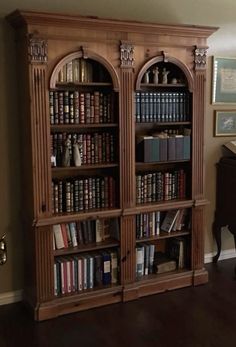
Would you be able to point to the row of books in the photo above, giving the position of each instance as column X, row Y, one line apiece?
column 150, row 224
column 163, row 147
column 81, row 272
column 66, row 235
column 149, row 260
column 79, row 194
column 158, row 186
column 162, row 107
column 144, row 259
column 176, row 220
column 77, row 70
column 83, row 70
column 73, row 107
column 147, row 224
column 94, row 148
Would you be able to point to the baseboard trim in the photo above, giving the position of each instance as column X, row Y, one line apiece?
column 11, row 297
column 227, row 254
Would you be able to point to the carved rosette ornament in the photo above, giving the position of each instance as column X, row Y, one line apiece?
column 126, row 55
column 37, row 50
column 200, row 58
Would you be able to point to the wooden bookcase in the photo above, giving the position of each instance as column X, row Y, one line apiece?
column 92, row 82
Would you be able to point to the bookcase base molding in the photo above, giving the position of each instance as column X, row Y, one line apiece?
column 112, row 121
column 80, row 302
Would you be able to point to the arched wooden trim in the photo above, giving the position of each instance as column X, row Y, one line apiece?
column 86, row 54
column 170, row 59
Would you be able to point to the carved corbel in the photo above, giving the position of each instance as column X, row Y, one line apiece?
column 200, row 58
column 126, row 54
column 37, row 49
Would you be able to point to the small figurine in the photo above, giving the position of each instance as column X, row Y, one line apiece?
column 174, row 81
column 146, row 77
column 155, row 72
column 53, row 160
column 66, row 152
column 76, row 153
column 164, row 76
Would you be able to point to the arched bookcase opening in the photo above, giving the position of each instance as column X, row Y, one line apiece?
column 84, row 68
column 165, row 72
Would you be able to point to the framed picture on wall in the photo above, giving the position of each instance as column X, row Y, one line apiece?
column 224, row 81
column 225, row 123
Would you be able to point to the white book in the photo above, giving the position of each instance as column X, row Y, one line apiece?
column 140, row 261
column 91, row 271
column 59, row 242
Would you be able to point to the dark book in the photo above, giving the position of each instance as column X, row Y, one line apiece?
column 82, row 108
column 162, row 263
column 171, row 148
column 61, row 108
column 163, row 148
column 66, row 107
column 187, row 149
column 76, row 107
column 106, row 268
column 148, row 149
column 56, row 107
column 179, row 147
column 137, row 112
column 176, row 250
column 114, row 228
column 51, row 107
column 98, row 269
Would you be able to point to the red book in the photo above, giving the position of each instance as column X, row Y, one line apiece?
column 64, row 235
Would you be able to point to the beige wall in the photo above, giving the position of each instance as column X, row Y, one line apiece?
column 222, row 43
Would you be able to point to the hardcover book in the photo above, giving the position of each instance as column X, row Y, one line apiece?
column 169, row 220
column 162, row 263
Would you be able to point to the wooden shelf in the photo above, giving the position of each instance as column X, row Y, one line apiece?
column 140, row 165
column 160, row 124
column 77, row 169
column 68, row 85
column 161, row 85
column 163, row 235
column 109, row 243
column 159, row 206
column 76, row 216
column 76, row 127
